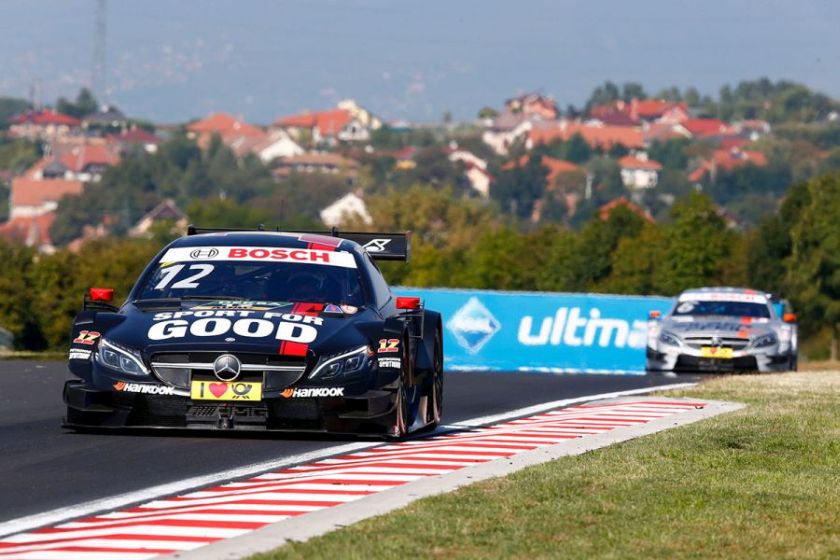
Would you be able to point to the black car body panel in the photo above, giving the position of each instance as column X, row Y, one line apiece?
column 347, row 361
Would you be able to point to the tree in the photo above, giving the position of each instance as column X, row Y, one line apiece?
column 813, row 268
column 576, row 149
column 516, row 190
column 602, row 95
column 9, row 107
column 85, row 104
column 631, row 90
column 16, row 296
column 670, row 153
column 697, row 246
column 18, row 155
column 635, row 263
column 487, row 113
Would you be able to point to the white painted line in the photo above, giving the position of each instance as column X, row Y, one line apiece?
column 302, row 528
column 93, row 507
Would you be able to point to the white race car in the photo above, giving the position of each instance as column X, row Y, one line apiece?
column 722, row 329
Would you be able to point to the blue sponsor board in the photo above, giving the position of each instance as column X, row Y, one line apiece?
column 552, row 332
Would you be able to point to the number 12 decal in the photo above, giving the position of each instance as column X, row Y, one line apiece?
column 169, row 274
column 86, row 337
column 389, row 345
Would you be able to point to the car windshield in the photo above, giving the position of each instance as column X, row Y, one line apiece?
column 723, row 308
column 255, row 280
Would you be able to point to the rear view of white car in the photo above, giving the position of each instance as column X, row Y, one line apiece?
column 722, row 329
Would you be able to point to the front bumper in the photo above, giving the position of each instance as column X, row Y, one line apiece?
column 369, row 412
column 688, row 360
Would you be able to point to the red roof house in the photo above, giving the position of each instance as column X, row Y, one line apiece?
column 727, row 160
column 555, row 167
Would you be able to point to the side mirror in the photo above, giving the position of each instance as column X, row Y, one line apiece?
column 654, row 315
column 408, row 303
column 789, row 317
column 101, row 294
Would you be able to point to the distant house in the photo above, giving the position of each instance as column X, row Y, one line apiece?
column 78, row 158
column 135, row 137
column 639, row 172
column 603, row 137
column 752, row 130
column 317, row 162
column 165, row 211
column 640, row 111
column 555, row 167
column 533, row 104
column 236, row 134
column 726, row 160
column 365, row 117
column 705, row 128
column 32, row 206
column 33, row 196
column 506, row 129
column 32, row 231
column 63, row 172
column 606, row 210
column 480, row 179
column 475, row 169
column 278, row 144
column 662, row 132
column 107, row 117
column 325, row 126
column 658, row 110
column 348, row 207
column 45, row 124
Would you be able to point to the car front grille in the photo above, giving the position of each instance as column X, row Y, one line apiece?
column 275, row 372
column 736, row 343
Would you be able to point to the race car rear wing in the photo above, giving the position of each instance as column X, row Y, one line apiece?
column 380, row 246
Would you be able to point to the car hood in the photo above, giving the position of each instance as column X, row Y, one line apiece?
column 718, row 326
column 255, row 329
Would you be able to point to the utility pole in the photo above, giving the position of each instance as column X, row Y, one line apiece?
column 98, row 77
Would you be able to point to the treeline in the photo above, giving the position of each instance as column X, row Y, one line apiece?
column 794, row 253
column 460, row 242
column 776, row 102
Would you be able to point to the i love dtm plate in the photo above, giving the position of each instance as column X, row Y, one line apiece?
column 225, row 391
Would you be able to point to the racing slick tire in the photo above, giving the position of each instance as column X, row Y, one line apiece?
column 402, row 411
column 435, row 409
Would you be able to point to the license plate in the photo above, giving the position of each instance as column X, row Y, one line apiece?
column 716, row 352
column 225, row 391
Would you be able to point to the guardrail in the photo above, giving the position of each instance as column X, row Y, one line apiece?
column 551, row 332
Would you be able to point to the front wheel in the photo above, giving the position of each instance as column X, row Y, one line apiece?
column 401, row 412
column 435, row 410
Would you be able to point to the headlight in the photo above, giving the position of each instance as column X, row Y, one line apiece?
column 120, row 359
column 669, row 339
column 342, row 364
column 764, row 341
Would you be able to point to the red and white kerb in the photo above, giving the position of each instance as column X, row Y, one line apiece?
column 209, row 515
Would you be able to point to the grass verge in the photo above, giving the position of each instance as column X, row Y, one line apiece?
column 763, row 482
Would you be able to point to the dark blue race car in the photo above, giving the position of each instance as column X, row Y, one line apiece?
column 256, row 330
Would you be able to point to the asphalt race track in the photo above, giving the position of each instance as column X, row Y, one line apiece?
column 43, row 466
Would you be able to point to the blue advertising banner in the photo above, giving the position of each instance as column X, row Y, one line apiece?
column 552, row 332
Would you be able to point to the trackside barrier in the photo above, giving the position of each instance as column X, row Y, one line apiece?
column 552, row 332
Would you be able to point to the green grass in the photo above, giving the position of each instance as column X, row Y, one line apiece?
column 763, row 482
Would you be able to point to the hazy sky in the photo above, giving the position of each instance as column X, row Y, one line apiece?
column 171, row 60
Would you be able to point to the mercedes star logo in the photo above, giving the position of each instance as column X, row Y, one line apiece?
column 227, row 367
